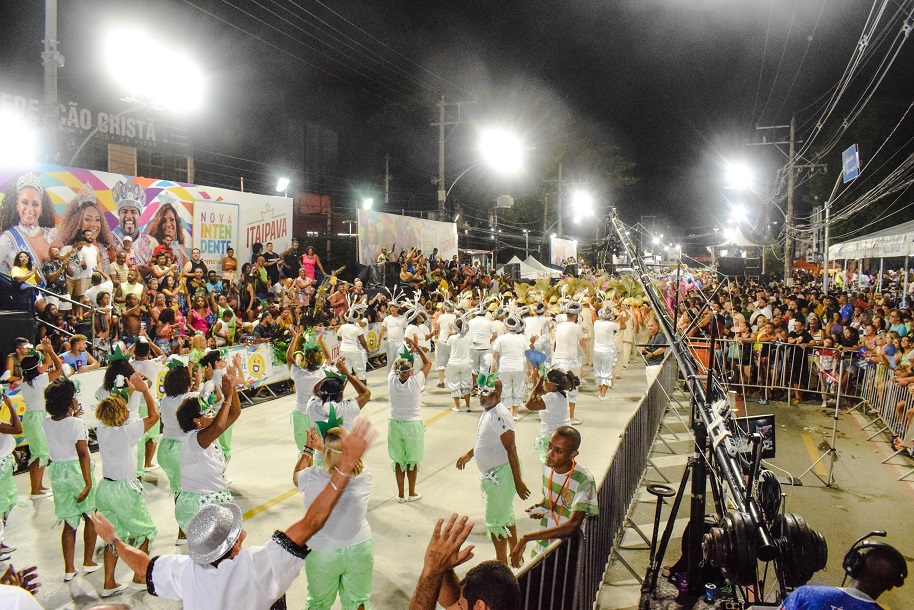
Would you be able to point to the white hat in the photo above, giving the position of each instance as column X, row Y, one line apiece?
column 572, row 308
column 213, row 531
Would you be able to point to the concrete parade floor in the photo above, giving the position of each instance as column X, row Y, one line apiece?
column 867, row 497
column 263, row 456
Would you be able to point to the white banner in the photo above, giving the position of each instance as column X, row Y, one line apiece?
column 378, row 230
column 215, row 230
column 561, row 250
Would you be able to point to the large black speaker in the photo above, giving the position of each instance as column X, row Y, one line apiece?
column 14, row 324
column 391, row 274
column 731, row 265
column 375, row 275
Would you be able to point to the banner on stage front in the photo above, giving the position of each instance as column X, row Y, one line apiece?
column 560, row 250
column 378, row 230
column 215, row 230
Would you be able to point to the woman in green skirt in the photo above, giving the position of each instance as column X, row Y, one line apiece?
column 177, row 387
column 306, row 371
column 119, row 496
column 148, row 361
column 8, row 495
column 71, row 473
column 36, row 375
column 202, row 461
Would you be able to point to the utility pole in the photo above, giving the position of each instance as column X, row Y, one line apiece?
column 387, row 179
column 442, row 122
column 52, row 60
column 560, row 210
column 442, row 188
column 788, row 217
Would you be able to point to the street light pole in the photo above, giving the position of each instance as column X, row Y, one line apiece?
column 526, row 243
column 560, row 201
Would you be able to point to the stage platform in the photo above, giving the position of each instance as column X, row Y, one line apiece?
column 263, row 457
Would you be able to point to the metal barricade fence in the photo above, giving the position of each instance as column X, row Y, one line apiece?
column 887, row 400
column 772, row 370
column 569, row 573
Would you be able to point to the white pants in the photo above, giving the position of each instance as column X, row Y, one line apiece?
column 603, row 363
column 355, row 360
column 393, row 352
column 459, row 379
column 652, row 371
column 512, row 387
column 442, row 353
column 479, row 359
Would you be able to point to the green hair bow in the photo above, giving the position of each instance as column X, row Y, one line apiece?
column 486, row 381
column 334, row 375
column 173, row 363
column 407, row 355
column 333, row 421
column 117, row 354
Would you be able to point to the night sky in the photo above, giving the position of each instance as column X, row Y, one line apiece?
column 677, row 85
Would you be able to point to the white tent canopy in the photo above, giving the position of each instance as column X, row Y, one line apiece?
column 894, row 241
column 541, row 267
column 528, row 271
column 739, row 239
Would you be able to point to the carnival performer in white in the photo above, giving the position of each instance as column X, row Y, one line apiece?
column 306, row 367
column 604, row 348
column 509, row 353
column 459, row 368
column 351, row 335
column 394, row 327
column 550, row 398
column 444, row 326
column 569, row 339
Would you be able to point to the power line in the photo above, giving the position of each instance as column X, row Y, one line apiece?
column 803, row 59
column 761, row 72
column 781, row 62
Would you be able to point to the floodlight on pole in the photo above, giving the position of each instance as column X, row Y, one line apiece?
column 656, row 241
column 367, row 203
column 20, row 142
column 581, row 205
column 739, row 177
column 738, row 214
column 133, row 55
column 282, row 186
column 501, row 150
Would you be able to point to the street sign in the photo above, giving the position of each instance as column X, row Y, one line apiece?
column 850, row 160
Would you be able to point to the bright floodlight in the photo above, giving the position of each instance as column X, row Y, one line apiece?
column 730, row 235
column 282, row 184
column 20, row 142
column 367, row 203
column 581, row 205
column 738, row 214
column 501, row 150
column 656, row 241
column 553, row 235
column 739, row 177
column 154, row 71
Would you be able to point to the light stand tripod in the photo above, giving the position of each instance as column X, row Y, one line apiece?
column 831, row 453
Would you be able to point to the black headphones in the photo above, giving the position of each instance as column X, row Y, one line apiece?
column 854, row 558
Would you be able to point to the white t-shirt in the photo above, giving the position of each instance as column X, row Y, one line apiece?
column 33, row 393
column 511, row 348
column 254, row 579
column 305, row 381
column 604, row 335
column 414, row 332
column 405, row 398
column 149, row 369
column 349, row 334
column 62, row 438
column 460, row 350
column 133, row 401
column 445, row 325
column 93, row 291
column 498, row 327
column 488, row 449
column 348, row 523
column 534, row 325
column 202, row 470
column 317, row 410
column 117, row 448
column 555, row 414
column 394, row 328
column 568, row 337
column 480, row 332
column 91, row 255
column 425, row 331
column 168, row 410
column 17, row 598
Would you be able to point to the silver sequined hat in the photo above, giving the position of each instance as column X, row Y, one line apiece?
column 213, row 531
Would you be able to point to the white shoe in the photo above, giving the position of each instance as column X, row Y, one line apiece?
column 136, row 586
column 414, row 498
column 114, row 591
column 401, row 500
column 68, row 576
column 89, row 569
column 576, row 422
column 151, row 468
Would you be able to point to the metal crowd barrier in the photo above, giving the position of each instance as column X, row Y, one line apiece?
column 570, row 572
column 887, row 401
column 777, row 371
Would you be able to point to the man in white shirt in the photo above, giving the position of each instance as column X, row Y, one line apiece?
column 444, row 326
column 353, row 346
column 217, row 572
column 509, row 351
column 569, row 338
column 480, row 331
column 604, row 348
column 536, row 329
column 405, row 430
column 496, row 458
column 394, row 326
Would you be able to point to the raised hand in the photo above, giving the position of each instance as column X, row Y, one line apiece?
column 443, row 552
column 357, row 441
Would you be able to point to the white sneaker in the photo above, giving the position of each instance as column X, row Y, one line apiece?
column 576, row 422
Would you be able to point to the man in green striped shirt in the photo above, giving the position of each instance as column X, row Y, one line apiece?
column 569, row 495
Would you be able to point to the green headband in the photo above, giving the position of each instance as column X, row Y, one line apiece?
column 334, row 375
column 333, row 421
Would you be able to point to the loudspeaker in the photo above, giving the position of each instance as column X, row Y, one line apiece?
column 375, row 275
column 391, row 274
column 15, row 324
column 731, row 265
column 512, row 270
